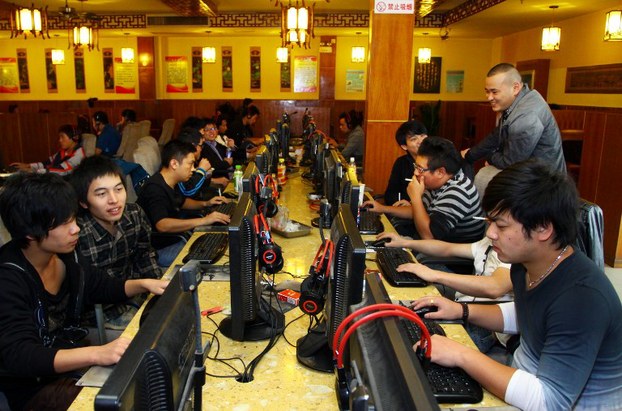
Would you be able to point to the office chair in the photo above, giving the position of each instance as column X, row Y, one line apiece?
column 88, row 143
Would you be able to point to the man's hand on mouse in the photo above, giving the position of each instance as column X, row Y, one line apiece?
column 447, row 309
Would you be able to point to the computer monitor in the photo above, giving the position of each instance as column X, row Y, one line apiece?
column 345, row 288
column 251, row 174
column 284, row 141
column 252, row 318
column 333, row 173
column 351, row 192
column 384, row 363
column 263, row 160
column 154, row 370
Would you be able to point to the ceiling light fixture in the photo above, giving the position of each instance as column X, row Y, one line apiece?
column 296, row 25
column 424, row 54
column 282, row 54
column 208, row 54
column 613, row 26
column 127, row 53
column 358, row 54
column 551, row 36
column 58, row 55
column 33, row 20
column 84, row 35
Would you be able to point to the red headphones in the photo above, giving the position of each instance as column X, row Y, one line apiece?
column 270, row 255
column 313, row 288
column 267, row 195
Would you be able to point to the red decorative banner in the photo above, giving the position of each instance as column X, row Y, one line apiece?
column 176, row 74
column 227, row 69
column 9, row 79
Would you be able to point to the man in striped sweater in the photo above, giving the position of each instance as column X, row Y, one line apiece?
column 444, row 204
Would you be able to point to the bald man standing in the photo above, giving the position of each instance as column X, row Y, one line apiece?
column 525, row 127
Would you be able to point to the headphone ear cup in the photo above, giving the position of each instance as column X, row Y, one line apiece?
column 311, row 300
column 270, row 258
column 271, row 208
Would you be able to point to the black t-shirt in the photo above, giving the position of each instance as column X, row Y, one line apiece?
column 403, row 167
column 159, row 200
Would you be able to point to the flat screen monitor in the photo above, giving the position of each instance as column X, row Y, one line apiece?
column 333, row 173
column 351, row 192
column 252, row 318
column 154, row 370
column 345, row 287
column 251, row 173
column 263, row 160
column 284, row 141
column 382, row 360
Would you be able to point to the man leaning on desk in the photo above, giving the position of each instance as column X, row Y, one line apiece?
column 566, row 310
column 168, row 210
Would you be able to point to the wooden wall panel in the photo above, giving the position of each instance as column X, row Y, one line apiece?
column 380, row 154
column 34, row 133
column 591, row 154
column 609, row 187
column 11, row 143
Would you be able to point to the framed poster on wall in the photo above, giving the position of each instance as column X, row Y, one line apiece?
column 428, row 76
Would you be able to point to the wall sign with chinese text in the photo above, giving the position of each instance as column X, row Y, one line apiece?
column 78, row 65
column 394, row 6
column 197, row 69
column 50, row 72
column 176, row 74
column 9, row 79
column 22, row 69
column 305, row 74
column 255, row 69
column 227, row 69
column 427, row 76
column 108, row 61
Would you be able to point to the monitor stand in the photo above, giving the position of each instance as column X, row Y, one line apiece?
column 268, row 323
column 316, row 223
column 313, row 351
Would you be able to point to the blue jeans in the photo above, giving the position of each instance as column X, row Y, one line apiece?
column 167, row 255
column 138, row 174
column 484, row 339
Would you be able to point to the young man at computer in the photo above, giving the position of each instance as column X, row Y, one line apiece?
column 491, row 281
column 44, row 284
column 409, row 137
column 115, row 236
column 566, row 310
column 444, row 203
column 168, row 210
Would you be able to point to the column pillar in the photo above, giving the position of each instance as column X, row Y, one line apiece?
column 388, row 92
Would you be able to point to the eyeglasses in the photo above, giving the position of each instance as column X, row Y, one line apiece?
column 421, row 169
column 211, row 128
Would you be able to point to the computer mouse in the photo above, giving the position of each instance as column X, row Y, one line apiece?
column 380, row 243
column 421, row 312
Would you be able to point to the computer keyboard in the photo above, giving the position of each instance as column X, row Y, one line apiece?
column 369, row 222
column 208, row 248
column 225, row 208
column 449, row 385
column 388, row 259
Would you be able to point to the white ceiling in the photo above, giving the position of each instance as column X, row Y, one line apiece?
column 507, row 17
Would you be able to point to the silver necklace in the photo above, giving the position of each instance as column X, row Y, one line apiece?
column 548, row 271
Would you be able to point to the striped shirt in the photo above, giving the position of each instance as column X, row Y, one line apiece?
column 451, row 209
column 62, row 163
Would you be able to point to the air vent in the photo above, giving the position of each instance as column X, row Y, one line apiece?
column 177, row 21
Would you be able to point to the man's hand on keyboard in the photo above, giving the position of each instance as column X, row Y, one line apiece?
column 215, row 217
column 423, row 272
column 373, row 205
column 447, row 352
column 393, row 239
column 217, row 200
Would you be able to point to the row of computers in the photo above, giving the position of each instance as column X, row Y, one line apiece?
column 381, row 372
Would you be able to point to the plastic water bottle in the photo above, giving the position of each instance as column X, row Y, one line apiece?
column 281, row 172
column 237, row 179
column 352, row 165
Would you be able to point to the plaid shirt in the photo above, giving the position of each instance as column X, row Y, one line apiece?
column 129, row 255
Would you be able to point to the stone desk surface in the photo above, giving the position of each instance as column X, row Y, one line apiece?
column 279, row 380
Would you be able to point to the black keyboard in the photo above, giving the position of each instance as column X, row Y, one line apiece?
column 388, row 259
column 208, row 248
column 225, row 208
column 449, row 385
column 369, row 222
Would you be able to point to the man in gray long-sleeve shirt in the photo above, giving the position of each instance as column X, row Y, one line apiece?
column 525, row 127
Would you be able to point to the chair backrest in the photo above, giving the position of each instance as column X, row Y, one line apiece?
column 590, row 227
column 129, row 140
column 88, row 143
column 167, row 131
column 147, row 154
column 145, row 128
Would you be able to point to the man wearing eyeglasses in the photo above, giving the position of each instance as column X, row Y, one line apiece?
column 444, row 203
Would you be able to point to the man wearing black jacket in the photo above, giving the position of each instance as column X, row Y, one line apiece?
column 43, row 287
